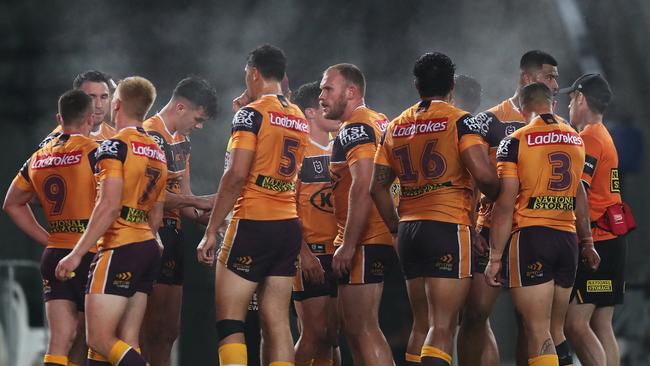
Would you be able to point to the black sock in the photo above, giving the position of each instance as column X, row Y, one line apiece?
column 564, row 354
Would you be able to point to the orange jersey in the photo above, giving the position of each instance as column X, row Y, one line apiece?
column 423, row 147
column 136, row 158
column 547, row 157
column 61, row 174
column 315, row 208
column 357, row 139
column 104, row 132
column 177, row 152
column 600, row 174
column 278, row 133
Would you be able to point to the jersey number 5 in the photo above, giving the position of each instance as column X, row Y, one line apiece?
column 432, row 163
column 561, row 174
column 288, row 165
column 54, row 190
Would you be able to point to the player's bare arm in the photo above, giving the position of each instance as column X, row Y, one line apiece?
column 230, row 187
column 357, row 219
column 477, row 162
column 310, row 265
column 104, row 214
column 16, row 205
column 382, row 178
column 479, row 244
column 583, row 228
column 504, row 206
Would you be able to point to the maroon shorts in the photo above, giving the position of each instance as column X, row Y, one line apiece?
column 125, row 270
column 255, row 249
column 172, row 260
column 538, row 254
column 72, row 289
column 429, row 248
column 370, row 264
column 303, row 290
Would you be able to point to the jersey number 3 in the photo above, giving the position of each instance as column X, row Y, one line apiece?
column 561, row 174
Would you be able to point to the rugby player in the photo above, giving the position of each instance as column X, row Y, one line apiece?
column 260, row 247
column 98, row 86
column 193, row 102
column 315, row 285
column 476, row 342
column 132, row 171
column 539, row 167
column 466, row 96
column 364, row 245
column 65, row 162
column 432, row 147
column 589, row 318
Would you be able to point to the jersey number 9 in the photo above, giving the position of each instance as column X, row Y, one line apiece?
column 54, row 190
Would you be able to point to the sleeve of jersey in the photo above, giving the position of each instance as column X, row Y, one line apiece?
column 381, row 156
column 358, row 141
column 162, row 196
column 593, row 152
column 22, row 179
column 471, row 131
column 245, row 126
column 508, row 157
column 111, row 156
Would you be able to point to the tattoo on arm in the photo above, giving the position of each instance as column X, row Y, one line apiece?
column 384, row 175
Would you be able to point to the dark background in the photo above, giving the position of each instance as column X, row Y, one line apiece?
column 44, row 44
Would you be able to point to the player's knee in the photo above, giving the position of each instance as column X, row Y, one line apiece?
column 228, row 327
column 475, row 316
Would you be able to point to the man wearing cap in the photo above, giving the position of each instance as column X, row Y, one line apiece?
column 589, row 319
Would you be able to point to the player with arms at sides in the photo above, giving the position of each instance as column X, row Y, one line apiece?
column 476, row 342
column 61, row 176
column 132, row 171
column 539, row 167
column 364, row 245
column 432, row 147
column 193, row 102
column 98, row 86
column 466, row 96
column 315, row 285
column 261, row 246
column 589, row 318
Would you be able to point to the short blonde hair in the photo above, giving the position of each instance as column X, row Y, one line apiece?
column 137, row 95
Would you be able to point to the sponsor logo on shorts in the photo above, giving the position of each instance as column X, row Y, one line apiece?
column 420, row 127
column 559, row 203
column 275, row 184
column 56, row 160
column 615, row 183
column 418, row 191
column 168, row 268
column 149, row 151
column 555, row 137
column 67, row 226
column 535, row 270
column 289, row 122
column 445, row 263
column 252, row 305
column 377, row 268
column 317, row 248
column 599, row 286
column 47, row 288
column 122, row 280
column 243, row 263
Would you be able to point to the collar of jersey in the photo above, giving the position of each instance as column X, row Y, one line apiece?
column 513, row 105
column 173, row 135
column 99, row 130
column 321, row 146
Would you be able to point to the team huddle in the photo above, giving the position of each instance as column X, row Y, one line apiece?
column 321, row 196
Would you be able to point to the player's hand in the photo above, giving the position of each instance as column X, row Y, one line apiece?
column 205, row 250
column 65, row 269
column 240, row 101
column 590, row 256
column 485, row 200
column 311, row 267
column 479, row 244
column 493, row 273
column 342, row 261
